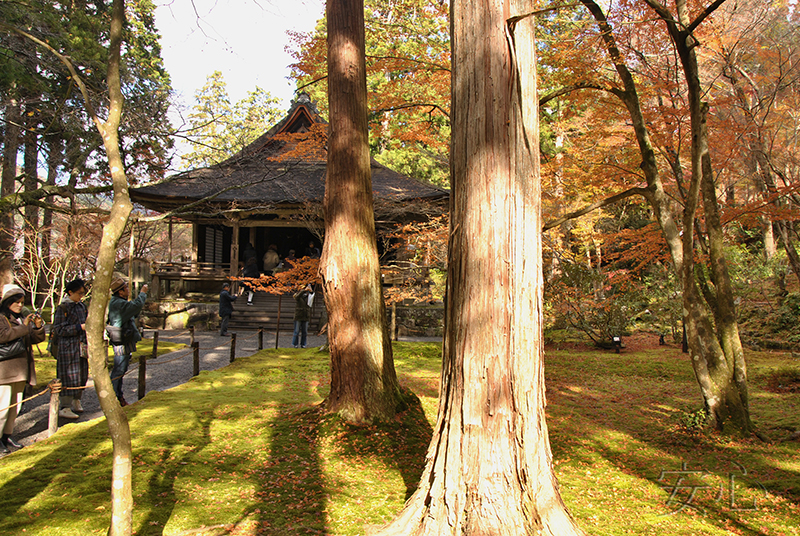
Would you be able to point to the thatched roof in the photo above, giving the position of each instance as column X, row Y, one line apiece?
column 282, row 170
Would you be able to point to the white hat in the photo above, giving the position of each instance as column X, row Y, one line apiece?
column 10, row 290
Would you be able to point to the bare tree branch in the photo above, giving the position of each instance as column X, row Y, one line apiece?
column 594, row 206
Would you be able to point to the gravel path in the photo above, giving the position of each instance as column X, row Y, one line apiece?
column 31, row 425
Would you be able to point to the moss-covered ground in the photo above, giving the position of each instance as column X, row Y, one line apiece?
column 244, row 450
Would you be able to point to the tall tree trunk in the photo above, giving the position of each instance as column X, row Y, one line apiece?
column 709, row 319
column 364, row 384
column 121, row 493
column 10, row 148
column 489, row 465
column 31, row 182
column 728, row 402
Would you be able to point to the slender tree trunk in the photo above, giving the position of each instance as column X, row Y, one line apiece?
column 364, row 384
column 728, row 403
column 489, row 468
column 121, row 493
column 769, row 238
column 709, row 320
column 10, row 148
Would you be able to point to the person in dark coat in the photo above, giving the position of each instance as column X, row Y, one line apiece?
column 72, row 364
column 312, row 250
column 250, row 252
column 303, row 301
column 18, row 370
column 225, row 308
column 288, row 262
column 250, row 270
column 121, row 315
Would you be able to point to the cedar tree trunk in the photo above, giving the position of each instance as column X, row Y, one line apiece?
column 489, row 468
column 364, row 385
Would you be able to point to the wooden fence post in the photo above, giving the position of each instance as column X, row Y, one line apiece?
column 196, row 359
column 52, row 420
column 233, row 346
column 191, row 330
column 142, row 376
column 260, row 338
column 155, row 345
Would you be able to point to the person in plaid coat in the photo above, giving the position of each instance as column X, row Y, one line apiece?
column 72, row 366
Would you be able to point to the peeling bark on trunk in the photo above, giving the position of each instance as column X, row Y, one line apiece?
column 364, row 384
column 489, row 467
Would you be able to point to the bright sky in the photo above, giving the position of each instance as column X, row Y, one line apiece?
column 244, row 39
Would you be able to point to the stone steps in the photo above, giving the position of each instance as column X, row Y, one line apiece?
column 264, row 312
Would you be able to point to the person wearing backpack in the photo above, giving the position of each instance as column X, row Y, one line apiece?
column 68, row 337
column 122, row 330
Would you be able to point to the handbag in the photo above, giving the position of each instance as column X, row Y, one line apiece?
column 13, row 349
column 119, row 336
column 52, row 344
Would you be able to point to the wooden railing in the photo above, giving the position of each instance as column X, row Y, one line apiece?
column 182, row 272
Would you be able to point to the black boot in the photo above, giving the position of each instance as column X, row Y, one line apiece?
column 8, row 442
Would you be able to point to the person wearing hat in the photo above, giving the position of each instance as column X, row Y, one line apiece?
column 121, row 315
column 72, row 363
column 18, row 368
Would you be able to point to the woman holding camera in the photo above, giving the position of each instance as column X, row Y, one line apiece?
column 18, row 333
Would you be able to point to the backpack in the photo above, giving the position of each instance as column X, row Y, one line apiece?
column 52, row 344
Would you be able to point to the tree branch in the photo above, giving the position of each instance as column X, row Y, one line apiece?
column 704, row 15
column 413, row 105
column 594, row 206
column 412, row 60
column 20, row 199
column 575, row 87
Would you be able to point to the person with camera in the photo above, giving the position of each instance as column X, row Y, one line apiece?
column 122, row 331
column 72, row 357
column 19, row 331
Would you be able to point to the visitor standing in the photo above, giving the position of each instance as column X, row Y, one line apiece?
column 225, row 308
column 271, row 259
column 18, row 333
column 122, row 330
column 303, row 301
column 72, row 362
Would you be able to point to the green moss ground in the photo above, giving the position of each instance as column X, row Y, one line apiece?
column 244, row 450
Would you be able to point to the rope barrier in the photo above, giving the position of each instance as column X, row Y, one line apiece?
column 176, row 335
column 55, row 385
column 50, row 388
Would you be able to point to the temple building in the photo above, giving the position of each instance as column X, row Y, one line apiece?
column 269, row 193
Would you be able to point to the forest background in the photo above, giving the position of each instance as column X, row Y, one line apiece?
column 608, row 269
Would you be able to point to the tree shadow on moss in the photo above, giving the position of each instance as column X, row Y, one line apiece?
column 400, row 445
column 630, row 415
